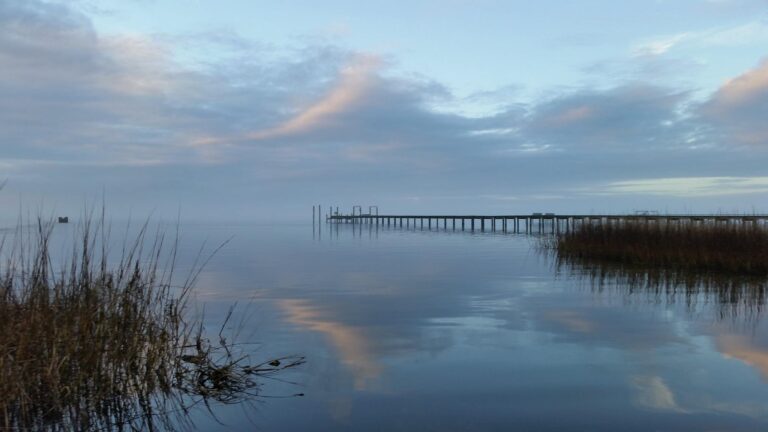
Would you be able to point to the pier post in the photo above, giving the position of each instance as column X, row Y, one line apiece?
column 482, row 224
column 473, row 224
column 429, row 223
column 462, row 224
column 454, row 224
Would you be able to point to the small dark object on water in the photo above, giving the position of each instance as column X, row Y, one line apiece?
column 63, row 219
column 274, row 363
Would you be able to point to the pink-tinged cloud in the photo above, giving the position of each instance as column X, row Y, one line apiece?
column 738, row 108
column 573, row 115
column 138, row 66
column 353, row 83
column 611, row 118
column 743, row 90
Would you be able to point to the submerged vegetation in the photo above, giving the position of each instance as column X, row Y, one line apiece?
column 733, row 248
column 89, row 344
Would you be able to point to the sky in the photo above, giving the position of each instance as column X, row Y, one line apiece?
column 250, row 110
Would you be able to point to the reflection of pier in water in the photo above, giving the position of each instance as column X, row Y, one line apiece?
column 534, row 222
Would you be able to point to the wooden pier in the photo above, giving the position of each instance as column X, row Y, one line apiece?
column 535, row 222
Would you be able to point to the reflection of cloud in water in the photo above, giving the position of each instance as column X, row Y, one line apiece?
column 750, row 409
column 742, row 348
column 589, row 324
column 340, row 408
column 572, row 320
column 653, row 393
column 351, row 343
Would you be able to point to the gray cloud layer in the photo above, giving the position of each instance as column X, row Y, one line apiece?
column 259, row 131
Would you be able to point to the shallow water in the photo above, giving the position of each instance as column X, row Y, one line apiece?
column 441, row 330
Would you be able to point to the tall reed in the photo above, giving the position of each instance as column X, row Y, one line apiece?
column 86, row 344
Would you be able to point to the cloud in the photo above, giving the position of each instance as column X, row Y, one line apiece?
column 632, row 116
column 744, row 90
column 737, row 109
column 750, row 33
column 77, row 104
column 354, row 81
column 688, row 186
column 70, row 94
column 661, row 45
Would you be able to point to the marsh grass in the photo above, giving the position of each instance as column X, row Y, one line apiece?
column 733, row 249
column 86, row 344
column 723, row 265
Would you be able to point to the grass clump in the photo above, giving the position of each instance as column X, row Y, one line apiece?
column 734, row 248
column 89, row 344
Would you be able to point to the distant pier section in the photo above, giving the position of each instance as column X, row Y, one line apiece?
column 533, row 222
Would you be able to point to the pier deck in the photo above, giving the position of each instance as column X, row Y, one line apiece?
column 531, row 222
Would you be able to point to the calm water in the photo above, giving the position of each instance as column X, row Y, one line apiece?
column 420, row 330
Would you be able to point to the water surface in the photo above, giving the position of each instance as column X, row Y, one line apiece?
column 441, row 330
